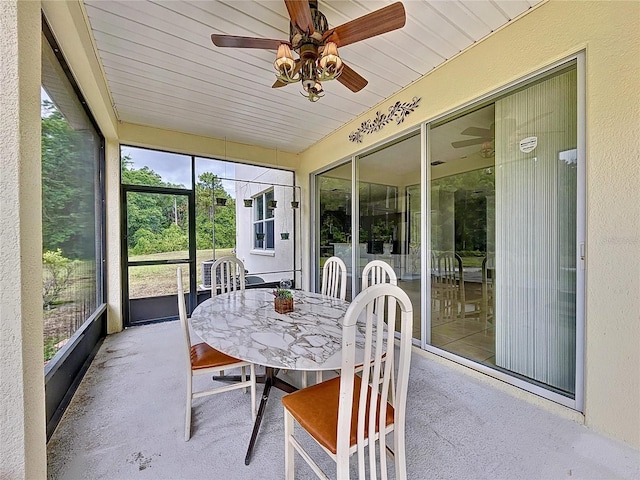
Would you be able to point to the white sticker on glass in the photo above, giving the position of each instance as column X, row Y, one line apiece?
column 528, row 144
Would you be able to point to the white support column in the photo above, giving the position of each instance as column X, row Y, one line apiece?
column 114, row 277
column 22, row 406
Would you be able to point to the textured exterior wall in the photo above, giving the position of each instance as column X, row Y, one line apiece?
column 114, row 257
column 609, row 32
column 22, row 413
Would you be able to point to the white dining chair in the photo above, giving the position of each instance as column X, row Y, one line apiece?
column 450, row 286
column 202, row 359
column 378, row 271
column 334, row 278
column 227, row 275
column 374, row 273
column 334, row 284
column 351, row 413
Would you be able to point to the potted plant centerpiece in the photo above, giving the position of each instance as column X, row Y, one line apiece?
column 283, row 301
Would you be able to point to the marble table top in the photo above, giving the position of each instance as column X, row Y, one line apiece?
column 245, row 325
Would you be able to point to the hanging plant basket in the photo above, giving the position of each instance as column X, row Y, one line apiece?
column 272, row 203
column 221, row 202
column 295, row 204
column 248, row 202
column 284, row 235
column 259, row 236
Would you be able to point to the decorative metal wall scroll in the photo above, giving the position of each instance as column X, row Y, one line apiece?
column 397, row 112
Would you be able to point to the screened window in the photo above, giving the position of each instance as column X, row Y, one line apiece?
column 71, row 208
column 264, row 221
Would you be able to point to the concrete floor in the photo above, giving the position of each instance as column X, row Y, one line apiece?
column 126, row 421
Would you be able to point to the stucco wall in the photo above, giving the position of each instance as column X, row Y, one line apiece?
column 22, row 413
column 609, row 33
column 281, row 258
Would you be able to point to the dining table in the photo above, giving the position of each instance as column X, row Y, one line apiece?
column 245, row 325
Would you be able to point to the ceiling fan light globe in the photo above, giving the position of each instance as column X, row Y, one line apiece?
column 284, row 52
column 284, row 63
column 330, row 62
column 284, row 66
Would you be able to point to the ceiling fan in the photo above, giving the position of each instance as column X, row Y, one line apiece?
column 317, row 45
column 485, row 136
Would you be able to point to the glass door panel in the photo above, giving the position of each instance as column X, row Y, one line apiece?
column 503, row 195
column 157, row 242
column 335, row 237
column 389, row 216
column 462, row 192
column 157, row 226
column 536, row 225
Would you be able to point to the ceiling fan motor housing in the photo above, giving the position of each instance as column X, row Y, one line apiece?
column 298, row 38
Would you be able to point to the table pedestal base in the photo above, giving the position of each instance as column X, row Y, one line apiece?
column 269, row 379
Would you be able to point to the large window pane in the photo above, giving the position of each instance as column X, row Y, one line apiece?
column 71, row 209
column 251, row 223
column 536, row 232
column 153, row 168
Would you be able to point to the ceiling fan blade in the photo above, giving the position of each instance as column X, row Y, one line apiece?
column 352, row 80
column 246, row 42
column 468, row 143
column 300, row 14
column 478, row 132
column 375, row 23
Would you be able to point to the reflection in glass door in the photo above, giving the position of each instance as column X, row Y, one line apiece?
column 389, row 216
column 334, row 219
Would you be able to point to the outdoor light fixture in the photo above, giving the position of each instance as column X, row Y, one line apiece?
column 316, row 45
column 311, row 69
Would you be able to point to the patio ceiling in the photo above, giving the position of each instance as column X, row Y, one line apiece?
column 163, row 71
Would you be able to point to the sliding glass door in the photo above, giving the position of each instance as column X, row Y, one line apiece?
column 503, row 195
column 502, row 275
column 389, row 216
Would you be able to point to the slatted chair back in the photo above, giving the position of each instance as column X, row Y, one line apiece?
column 377, row 271
column 451, row 284
column 227, row 275
column 334, row 278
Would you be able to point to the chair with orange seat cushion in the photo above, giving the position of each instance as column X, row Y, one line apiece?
column 205, row 360
column 343, row 415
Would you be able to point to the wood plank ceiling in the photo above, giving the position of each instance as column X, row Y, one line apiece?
column 162, row 69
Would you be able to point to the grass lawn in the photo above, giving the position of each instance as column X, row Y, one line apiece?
column 154, row 280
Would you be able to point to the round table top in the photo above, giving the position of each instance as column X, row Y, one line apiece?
column 245, row 325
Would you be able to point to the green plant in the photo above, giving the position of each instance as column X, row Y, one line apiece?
column 50, row 347
column 382, row 230
column 57, row 271
column 282, row 293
